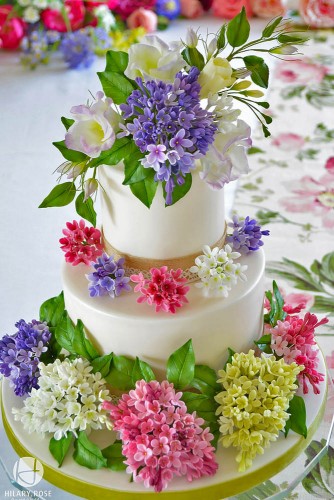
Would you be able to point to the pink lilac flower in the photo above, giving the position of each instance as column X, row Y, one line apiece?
column 81, row 243
column 288, row 141
column 301, row 72
column 165, row 289
column 20, row 354
column 160, row 439
column 315, row 196
column 294, row 339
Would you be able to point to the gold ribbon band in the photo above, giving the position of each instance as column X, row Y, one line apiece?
column 144, row 264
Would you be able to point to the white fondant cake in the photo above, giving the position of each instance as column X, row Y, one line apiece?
column 159, row 232
column 127, row 328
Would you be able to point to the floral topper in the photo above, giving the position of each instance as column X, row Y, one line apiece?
column 167, row 110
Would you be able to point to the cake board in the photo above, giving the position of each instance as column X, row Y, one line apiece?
column 107, row 484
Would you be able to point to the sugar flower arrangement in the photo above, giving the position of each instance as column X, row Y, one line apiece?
column 167, row 110
column 169, row 428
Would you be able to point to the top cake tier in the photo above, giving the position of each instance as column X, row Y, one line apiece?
column 160, row 232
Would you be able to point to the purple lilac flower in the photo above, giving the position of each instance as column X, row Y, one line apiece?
column 108, row 278
column 246, row 236
column 102, row 40
column 77, row 49
column 167, row 122
column 168, row 8
column 20, row 354
column 35, row 49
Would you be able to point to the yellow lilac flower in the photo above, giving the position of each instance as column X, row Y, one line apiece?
column 254, row 402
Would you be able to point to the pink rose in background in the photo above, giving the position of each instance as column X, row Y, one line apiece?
column 288, row 141
column 318, row 13
column 268, row 8
column 230, row 8
column 330, row 165
column 191, row 8
column 143, row 17
column 300, row 72
column 53, row 19
column 12, row 29
column 311, row 195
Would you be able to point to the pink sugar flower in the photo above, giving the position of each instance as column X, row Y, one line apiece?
column 179, row 448
column 81, row 243
column 293, row 302
column 165, row 289
column 312, row 195
column 330, row 165
column 301, row 72
column 288, row 141
column 294, row 339
column 143, row 17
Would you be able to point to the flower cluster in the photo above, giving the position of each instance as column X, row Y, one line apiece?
column 166, row 289
column 217, row 270
column 77, row 49
column 108, row 278
column 254, row 402
column 81, row 243
column 169, row 125
column 293, row 340
column 69, row 399
column 160, row 439
column 246, row 236
column 20, row 354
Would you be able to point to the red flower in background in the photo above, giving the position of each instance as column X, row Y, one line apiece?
column 12, row 29
column 126, row 7
column 54, row 20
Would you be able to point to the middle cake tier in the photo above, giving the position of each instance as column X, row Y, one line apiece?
column 124, row 327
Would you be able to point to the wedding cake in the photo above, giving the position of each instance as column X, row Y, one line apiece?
column 146, row 360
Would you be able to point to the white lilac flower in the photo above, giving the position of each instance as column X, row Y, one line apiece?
column 153, row 58
column 31, row 14
column 104, row 17
column 223, row 110
column 69, row 399
column 23, row 3
column 217, row 270
column 40, row 4
column 226, row 159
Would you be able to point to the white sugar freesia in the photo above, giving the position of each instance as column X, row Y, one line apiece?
column 217, row 270
column 153, row 58
column 104, row 17
column 94, row 128
column 226, row 159
column 69, row 399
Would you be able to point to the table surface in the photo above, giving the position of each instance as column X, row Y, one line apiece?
column 289, row 188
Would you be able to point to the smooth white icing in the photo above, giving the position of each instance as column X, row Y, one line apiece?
column 159, row 232
column 124, row 327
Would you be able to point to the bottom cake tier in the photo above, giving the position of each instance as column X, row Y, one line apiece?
column 213, row 323
column 107, row 484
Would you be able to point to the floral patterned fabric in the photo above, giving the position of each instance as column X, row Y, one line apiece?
column 290, row 191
